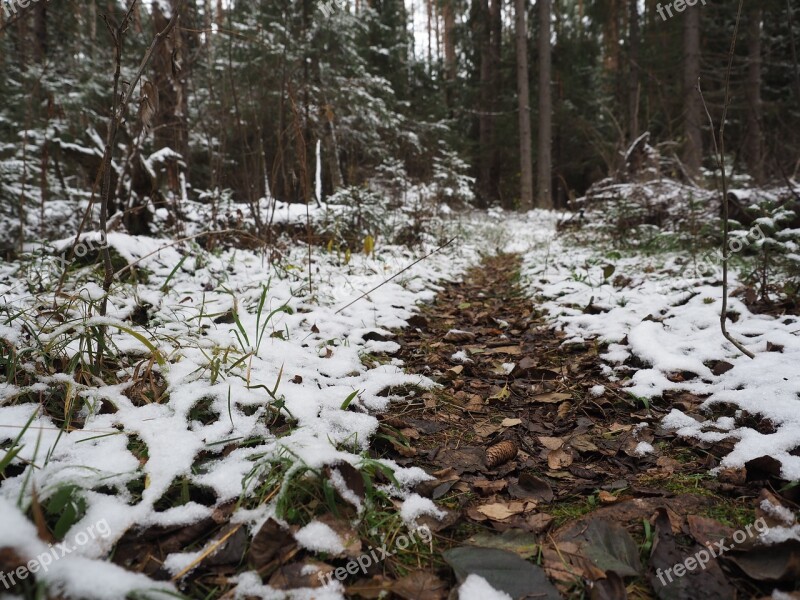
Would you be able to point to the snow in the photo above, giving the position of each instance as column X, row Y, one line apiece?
column 319, row 537
column 597, row 390
column 665, row 316
column 416, row 506
column 461, row 357
column 778, row 512
column 313, row 352
column 476, row 587
column 300, row 363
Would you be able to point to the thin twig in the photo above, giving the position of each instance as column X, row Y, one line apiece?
column 396, row 275
column 719, row 153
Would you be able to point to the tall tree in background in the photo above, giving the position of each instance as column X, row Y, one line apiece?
column 523, row 90
column 544, row 197
column 633, row 71
column 488, row 12
column 692, row 104
column 753, row 148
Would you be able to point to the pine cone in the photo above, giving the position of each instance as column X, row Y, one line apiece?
column 501, row 453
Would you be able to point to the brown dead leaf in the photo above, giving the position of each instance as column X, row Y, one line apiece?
column 551, row 398
column 511, row 422
column 510, row 350
column 559, row 459
column 303, row 574
column 529, row 487
column 539, row 522
column 707, row 532
column 551, row 443
column 456, row 336
column 606, row 497
column 500, row 511
column 370, row 589
column 582, row 443
column 420, row 585
column 487, row 488
column 271, row 542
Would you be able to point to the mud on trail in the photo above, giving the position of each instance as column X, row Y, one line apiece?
column 536, row 456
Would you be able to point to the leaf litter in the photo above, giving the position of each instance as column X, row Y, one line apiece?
column 586, row 500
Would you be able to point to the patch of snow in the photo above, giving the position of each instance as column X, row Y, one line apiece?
column 476, row 587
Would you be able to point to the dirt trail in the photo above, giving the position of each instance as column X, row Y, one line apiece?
column 534, row 451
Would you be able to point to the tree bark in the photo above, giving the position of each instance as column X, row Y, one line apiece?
column 754, row 145
column 40, row 32
column 486, row 95
column 692, row 106
column 450, row 67
column 544, row 196
column 633, row 76
column 524, row 97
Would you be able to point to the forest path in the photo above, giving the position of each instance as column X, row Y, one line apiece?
column 533, row 450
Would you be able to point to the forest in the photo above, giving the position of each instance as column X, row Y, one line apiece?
column 403, row 299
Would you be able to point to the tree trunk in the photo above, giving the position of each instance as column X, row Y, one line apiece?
column 692, row 105
column 40, row 32
column 449, row 50
column 633, row 77
column 754, row 146
column 170, row 72
column 485, row 100
column 495, row 55
column 544, row 195
column 524, row 97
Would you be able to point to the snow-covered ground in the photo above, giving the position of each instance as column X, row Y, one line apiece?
column 292, row 349
column 655, row 311
column 294, row 352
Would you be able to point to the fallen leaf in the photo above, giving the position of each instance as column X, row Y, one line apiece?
column 539, row 522
column 511, row 422
column 511, row 350
column 486, row 487
column 499, row 511
column 559, row 459
column 582, row 443
column 270, row 542
column 500, row 396
column 551, row 398
column 667, row 553
column 456, row 336
column 503, row 570
column 420, row 585
column 519, row 541
column 529, row 487
column 551, row 443
column 772, row 564
column 606, row 497
column 299, row 575
column 606, row 543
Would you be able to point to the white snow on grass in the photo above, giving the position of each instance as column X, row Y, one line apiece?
column 243, row 344
column 319, row 537
column 665, row 319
